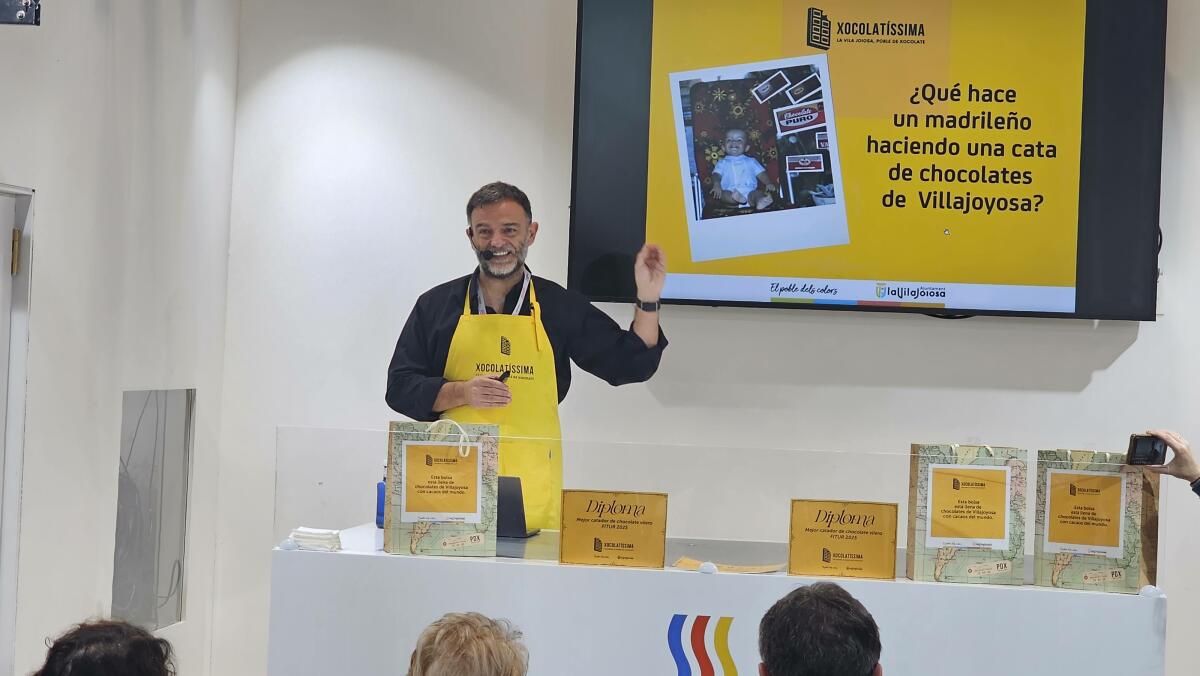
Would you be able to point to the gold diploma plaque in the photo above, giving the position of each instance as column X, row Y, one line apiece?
column 601, row 528
column 843, row 539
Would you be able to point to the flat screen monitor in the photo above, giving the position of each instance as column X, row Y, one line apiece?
column 948, row 157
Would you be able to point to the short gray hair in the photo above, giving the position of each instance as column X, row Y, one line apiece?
column 498, row 191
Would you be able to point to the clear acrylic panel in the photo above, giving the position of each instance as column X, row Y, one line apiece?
column 727, row 501
column 152, row 489
column 726, row 504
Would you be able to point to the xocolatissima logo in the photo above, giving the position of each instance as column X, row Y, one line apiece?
column 600, row 546
column 965, row 485
column 828, row 556
column 505, row 346
column 822, row 31
column 819, row 28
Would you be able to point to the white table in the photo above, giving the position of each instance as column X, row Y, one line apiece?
column 360, row 611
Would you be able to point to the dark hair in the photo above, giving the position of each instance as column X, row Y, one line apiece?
column 108, row 648
column 498, row 192
column 818, row 630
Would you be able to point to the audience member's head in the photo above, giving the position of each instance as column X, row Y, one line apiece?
column 819, row 630
column 469, row 644
column 108, row 648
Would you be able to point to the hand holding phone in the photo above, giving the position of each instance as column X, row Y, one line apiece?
column 1183, row 465
column 1146, row 449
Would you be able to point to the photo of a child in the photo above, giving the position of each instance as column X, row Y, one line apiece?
column 737, row 176
column 735, row 130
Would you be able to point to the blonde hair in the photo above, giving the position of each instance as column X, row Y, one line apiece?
column 469, row 644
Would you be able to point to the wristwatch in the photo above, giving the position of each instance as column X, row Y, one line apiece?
column 648, row 307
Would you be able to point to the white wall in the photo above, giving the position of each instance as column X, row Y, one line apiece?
column 360, row 135
column 120, row 114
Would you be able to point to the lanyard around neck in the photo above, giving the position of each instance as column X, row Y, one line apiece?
column 520, row 299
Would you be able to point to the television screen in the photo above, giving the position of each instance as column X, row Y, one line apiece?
column 937, row 156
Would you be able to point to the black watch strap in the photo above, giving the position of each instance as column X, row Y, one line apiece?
column 648, row 307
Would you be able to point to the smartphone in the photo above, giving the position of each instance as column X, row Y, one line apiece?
column 1145, row 449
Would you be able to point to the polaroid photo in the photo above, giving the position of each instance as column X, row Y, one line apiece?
column 771, row 86
column 804, row 89
column 732, row 141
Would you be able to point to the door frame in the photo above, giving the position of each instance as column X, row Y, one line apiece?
column 12, row 457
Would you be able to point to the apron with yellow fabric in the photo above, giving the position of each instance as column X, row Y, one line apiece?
column 530, row 438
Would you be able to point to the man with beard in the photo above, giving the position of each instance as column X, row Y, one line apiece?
column 496, row 346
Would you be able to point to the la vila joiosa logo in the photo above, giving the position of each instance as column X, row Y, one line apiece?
column 689, row 640
column 899, row 292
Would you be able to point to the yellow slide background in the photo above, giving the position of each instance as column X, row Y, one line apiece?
column 1034, row 47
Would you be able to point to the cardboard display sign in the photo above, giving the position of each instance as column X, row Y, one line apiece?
column 966, row 514
column 1097, row 522
column 441, row 489
column 803, row 164
column 441, row 481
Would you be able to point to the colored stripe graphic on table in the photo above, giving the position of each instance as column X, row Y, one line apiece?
column 698, row 627
column 704, row 662
column 868, row 303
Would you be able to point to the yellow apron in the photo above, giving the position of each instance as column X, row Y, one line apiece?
column 531, row 443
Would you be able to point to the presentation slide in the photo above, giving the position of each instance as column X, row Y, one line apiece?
column 910, row 153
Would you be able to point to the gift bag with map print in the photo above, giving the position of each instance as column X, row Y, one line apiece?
column 1097, row 522
column 441, row 489
column 966, row 510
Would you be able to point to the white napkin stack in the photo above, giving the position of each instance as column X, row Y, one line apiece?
column 317, row 539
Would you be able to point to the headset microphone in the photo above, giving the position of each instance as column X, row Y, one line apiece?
column 487, row 254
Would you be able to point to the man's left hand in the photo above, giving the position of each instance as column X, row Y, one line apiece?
column 650, row 273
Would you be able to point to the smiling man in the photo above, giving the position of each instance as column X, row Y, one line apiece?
column 495, row 346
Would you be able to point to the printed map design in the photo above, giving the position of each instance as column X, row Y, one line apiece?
column 1092, row 571
column 441, row 538
column 966, row 564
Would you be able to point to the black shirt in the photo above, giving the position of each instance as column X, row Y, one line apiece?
column 578, row 332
